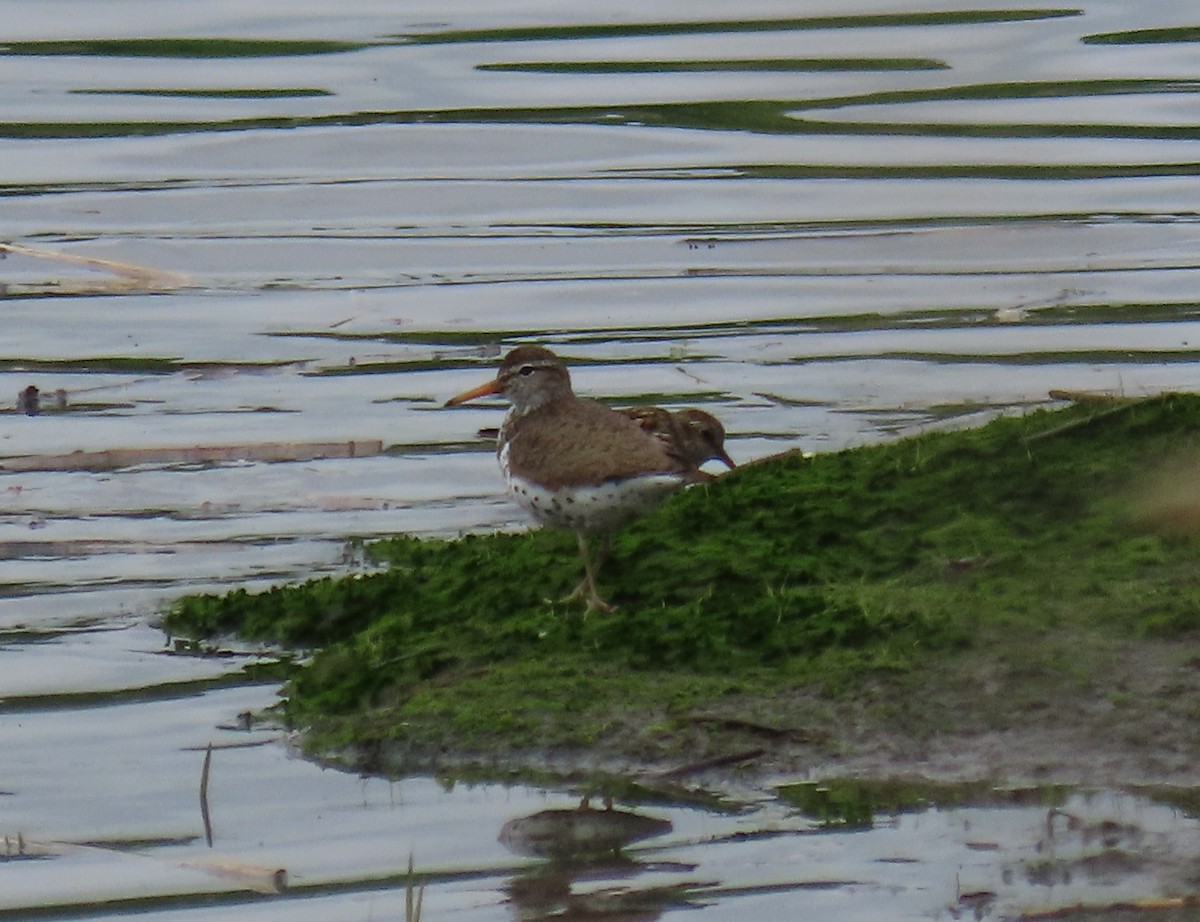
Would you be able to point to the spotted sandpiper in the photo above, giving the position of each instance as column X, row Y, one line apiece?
column 692, row 436
column 575, row 463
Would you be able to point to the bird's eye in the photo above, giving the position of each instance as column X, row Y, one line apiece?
column 526, row 370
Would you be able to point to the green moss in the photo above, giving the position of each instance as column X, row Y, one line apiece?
column 118, row 364
column 179, row 48
column 1018, row 538
column 617, row 30
column 856, row 802
column 742, row 65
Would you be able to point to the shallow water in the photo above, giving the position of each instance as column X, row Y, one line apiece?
column 829, row 229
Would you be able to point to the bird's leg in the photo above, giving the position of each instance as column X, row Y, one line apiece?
column 589, row 575
column 587, row 586
column 602, row 555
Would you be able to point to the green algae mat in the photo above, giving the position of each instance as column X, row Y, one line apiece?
column 764, row 600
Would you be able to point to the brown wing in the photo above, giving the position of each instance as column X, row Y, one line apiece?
column 651, row 419
column 584, row 442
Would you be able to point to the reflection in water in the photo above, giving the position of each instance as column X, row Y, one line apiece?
column 579, row 833
column 583, row 845
column 553, row 892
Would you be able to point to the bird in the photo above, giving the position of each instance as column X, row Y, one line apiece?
column 575, row 463
column 693, row 436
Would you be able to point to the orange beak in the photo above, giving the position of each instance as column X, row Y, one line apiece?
column 492, row 387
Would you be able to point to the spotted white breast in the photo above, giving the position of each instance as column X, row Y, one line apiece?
column 595, row 508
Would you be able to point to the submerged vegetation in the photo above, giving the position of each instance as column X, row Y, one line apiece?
column 857, row 803
column 1034, row 542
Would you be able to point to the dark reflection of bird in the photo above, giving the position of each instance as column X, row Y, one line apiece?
column 29, row 401
column 572, row 462
column 579, row 832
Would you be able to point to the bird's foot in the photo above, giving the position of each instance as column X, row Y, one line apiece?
column 587, row 586
column 585, row 590
column 578, row 592
column 595, row 603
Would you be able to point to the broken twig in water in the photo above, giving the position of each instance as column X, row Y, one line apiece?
column 1152, row 904
column 128, row 276
column 258, row 878
column 1082, row 396
column 113, row 458
column 208, row 836
column 251, row 876
column 412, row 907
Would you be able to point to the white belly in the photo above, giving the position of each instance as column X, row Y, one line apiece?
column 601, row 508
